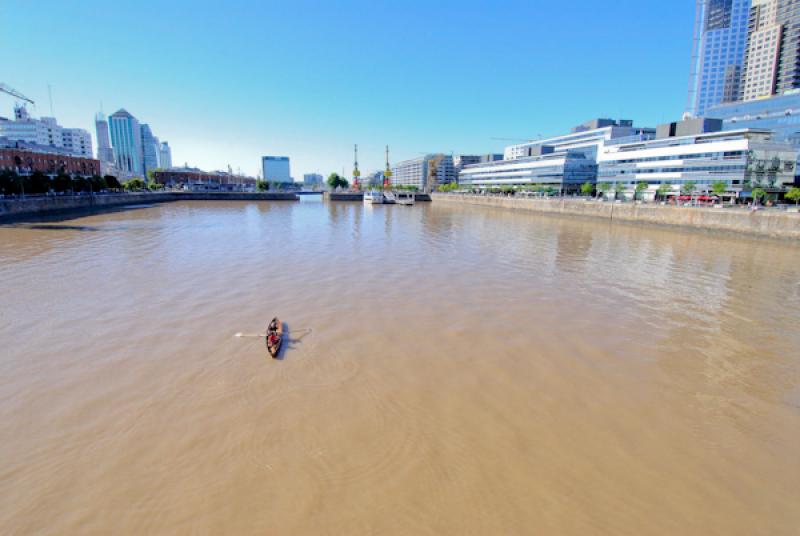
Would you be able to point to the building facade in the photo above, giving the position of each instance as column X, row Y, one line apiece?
column 780, row 114
column 424, row 173
column 198, row 180
column 772, row 60
column 151, row 149
column 126, row 139
column 718, row 52
column 165, row 155
column 562, row 163
column 312, row 180
column 276, row 169
column 105, row 153
column 24, row 158
column 742, row 159
column 46, row 132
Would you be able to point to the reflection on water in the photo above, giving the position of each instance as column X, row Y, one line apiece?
column 469, row 371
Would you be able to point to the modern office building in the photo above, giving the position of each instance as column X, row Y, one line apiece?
column 105, row 153
column 698, row 152
column 780, row 114
column 276, row 169
column 460, row 161
column 46, row 132
column 151, row 149
column 718, row 51
column 126, row 139
column 165, row 155
column 562, row 163
column 312, row 180
column 425, row 172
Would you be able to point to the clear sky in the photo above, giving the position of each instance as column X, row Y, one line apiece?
column 226, row 82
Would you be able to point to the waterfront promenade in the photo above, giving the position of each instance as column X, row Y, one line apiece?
column 48, row 204
column 764, row 223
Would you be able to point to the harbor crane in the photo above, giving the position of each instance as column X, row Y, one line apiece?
column 14, row 93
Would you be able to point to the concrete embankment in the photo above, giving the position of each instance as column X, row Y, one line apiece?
column 16, row 208
column 768, row 223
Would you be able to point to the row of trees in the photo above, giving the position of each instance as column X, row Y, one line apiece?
column 38, row 183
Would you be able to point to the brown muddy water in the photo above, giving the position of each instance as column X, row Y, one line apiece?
column 470, row 371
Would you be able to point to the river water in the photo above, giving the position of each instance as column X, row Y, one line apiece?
column 469, row 371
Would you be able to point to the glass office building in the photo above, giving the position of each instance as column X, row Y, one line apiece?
column 564, row 171
column 780, row 114
column 720, row 42
column 740, row 158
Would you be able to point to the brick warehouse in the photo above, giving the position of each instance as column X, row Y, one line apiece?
column 26, row 161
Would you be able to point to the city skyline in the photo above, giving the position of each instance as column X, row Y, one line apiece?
column 305, row 90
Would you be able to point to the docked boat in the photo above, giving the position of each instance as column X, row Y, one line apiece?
column 405, row 198
column 389, row 198
column 373, row 196
column 274, row 337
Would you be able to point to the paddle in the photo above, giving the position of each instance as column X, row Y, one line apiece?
column 260, row 335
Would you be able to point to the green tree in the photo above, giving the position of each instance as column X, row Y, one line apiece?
column 758, row 194
column 640, row 187
column 62, row 183
column 719, row 187
column 619, row 189
column 688, row 187
column 664, row 189
column 336, row 181
column 793, row 195
column 112, row 182
column 134, row 184
column 262, row 186
column 603, row 188
column 587, row 188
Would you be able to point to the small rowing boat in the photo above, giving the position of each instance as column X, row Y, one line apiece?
column 274, row 337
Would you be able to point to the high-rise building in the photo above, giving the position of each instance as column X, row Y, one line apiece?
column 276, row 169
column 772, row 60
column 46, row 132
column 104, row 151
column 126, row 138
column 165, row 155
column 151, row 149
column 720, row 40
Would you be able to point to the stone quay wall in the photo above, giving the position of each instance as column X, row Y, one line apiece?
column 43, row 205
column 767, row 223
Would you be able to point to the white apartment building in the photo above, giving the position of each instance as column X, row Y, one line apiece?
column 47, row 132
column 425, row 173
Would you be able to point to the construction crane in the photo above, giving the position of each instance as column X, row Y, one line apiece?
column 14, row 93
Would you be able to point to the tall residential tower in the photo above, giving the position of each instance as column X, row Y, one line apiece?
column 720, row 41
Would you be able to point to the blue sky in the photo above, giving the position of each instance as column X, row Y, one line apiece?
column 227, row 82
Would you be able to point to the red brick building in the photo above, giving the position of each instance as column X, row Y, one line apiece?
column 26, row 161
